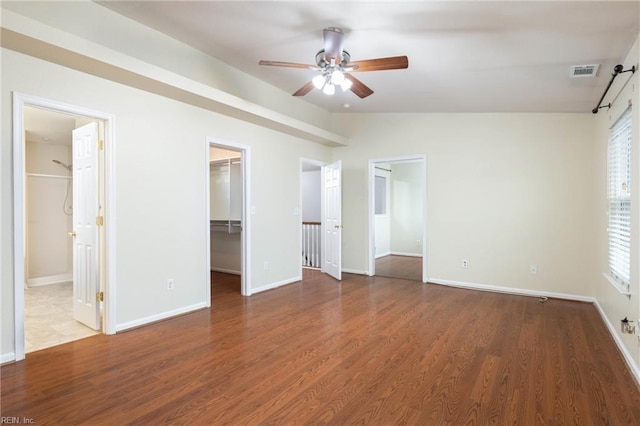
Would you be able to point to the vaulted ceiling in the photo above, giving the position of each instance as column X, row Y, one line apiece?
column 474, row 56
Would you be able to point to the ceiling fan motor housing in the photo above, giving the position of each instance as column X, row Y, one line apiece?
column 324, row 64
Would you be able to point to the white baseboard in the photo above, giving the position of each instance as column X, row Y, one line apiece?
column 8, row 357
column 399, row 253
column 378, row 256
column 159, row 317
column 275, row 285
column 354, row 271
column 616, row 338
column 50, row 279
column 511, row 290
column 226, row 271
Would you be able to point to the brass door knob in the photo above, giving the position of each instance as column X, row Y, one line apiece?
column 71, row 234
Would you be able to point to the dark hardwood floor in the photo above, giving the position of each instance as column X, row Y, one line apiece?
column 405, row 267
column 366, row 350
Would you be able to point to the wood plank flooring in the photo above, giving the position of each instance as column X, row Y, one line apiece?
column 406, row 267
column 367, row 350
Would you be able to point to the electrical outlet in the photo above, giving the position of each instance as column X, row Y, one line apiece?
column 465, row 263
column 533, row 269
column 266, row 265
column 418, row 242
column 170, row 284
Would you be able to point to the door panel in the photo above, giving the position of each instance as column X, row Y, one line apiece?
column 86, row 283
column 332, row 220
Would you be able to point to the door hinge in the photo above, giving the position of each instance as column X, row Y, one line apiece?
column 100, row 296
column 100, row 145
column 100, row 220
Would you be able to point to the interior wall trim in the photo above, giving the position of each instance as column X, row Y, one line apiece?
column 635, row 371
column 276, row 284
column 511, row 290
column 159, row 317
column 7, row 358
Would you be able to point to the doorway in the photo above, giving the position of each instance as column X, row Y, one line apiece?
column 46, row 266
column 311, row 213
column 49, row 260
column 228, row 221
column 397, row 218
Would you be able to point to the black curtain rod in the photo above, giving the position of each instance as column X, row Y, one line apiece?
column 380, row 168
column 618, row 69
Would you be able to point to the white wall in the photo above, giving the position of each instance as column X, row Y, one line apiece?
column 311, row 196
column 615, row 305
column 504, row 191
column 406, row 208
column 161, row 220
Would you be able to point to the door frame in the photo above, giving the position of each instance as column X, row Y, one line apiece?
column 371, row 189
column 107, row 245
column 245, row 235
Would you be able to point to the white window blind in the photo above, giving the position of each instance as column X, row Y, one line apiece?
column 619, row 197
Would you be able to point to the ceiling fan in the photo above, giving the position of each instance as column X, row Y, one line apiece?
column 335, row 67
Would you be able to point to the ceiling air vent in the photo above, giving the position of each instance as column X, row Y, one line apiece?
column 584, row 71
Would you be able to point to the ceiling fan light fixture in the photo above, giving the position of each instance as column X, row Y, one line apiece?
column 334, row 66
column 329, row 89
column 346, row 85
column 318, row 81
column 337, row 77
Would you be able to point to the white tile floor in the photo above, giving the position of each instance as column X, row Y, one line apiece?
column 49, row 317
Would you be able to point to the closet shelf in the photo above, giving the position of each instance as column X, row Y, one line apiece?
column 228, row 226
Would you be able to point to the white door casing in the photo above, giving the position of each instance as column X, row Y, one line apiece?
column 332, row 219
column 86, row 208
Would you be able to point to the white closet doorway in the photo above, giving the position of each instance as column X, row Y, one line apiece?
column 228, row 224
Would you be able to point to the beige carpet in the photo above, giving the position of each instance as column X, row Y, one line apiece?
column 49, row 317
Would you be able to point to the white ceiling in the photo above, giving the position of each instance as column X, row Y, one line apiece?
column 478, row 56
column 44, row 126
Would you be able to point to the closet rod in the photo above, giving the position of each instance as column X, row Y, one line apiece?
column 43, row 175
column 225, row 161
column 618, row 69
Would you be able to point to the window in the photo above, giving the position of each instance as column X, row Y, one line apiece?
column 381, row 195
column 619, row 198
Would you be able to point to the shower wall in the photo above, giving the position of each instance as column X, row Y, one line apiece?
column 49, row 250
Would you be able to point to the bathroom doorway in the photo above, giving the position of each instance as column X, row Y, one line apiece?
column 62, row 175
column 48, row 293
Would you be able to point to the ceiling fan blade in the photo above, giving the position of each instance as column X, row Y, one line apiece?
column 358, row 87
column 286, row 64
column 333, row 38
column 380, row 64
column 304, row 89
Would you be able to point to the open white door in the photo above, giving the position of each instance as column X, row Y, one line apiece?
column 86, row 284
column 332, row 220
